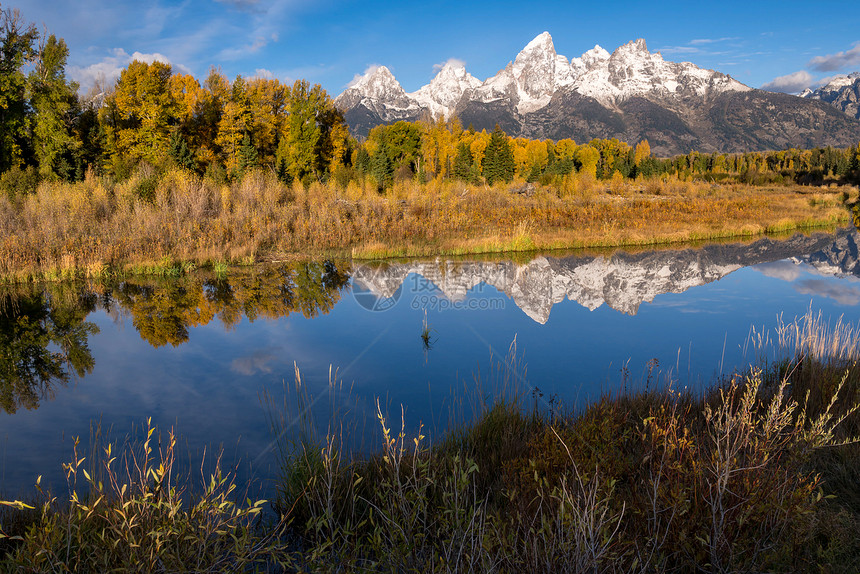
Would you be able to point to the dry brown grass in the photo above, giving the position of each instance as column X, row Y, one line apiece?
column 96, row 227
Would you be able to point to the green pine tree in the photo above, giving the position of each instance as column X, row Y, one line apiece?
column 247, row 155
column 362, row 160
column 16, row 51
column 180, row 153
column 463, row 163
column 381, row 167
column 499, row 158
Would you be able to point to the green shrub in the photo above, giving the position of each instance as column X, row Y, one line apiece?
column 17, row 182
column 137, row 516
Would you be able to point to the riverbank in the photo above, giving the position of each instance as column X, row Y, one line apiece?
column 758, row 474
column 164, row 224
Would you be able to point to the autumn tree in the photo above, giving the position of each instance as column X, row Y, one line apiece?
column 146, row 109
column 236, row 122
column 17, row 41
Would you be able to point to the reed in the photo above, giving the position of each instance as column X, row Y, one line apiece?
column 98, row 225
column 758, row 474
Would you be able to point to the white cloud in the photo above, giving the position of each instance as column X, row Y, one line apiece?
column 264, row 74
column 370, row 70
column 843, row 294
column 790, row 83
column 700, row 41
column 837, row 61
column 259, row 43
column 243, row 5
column 454, row 62
column 150, row 58
column 105, row 72
column 785, row 270
column 258, row 362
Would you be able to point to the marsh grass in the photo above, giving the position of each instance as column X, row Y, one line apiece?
column 134, row 512
column 758, row 474
column 156, row 223
column 752, row 476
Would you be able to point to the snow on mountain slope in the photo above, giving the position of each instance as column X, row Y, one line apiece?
column 444, row 91
column 380, row 92
column 634, row 71
column 842, row 92
column 535, row 75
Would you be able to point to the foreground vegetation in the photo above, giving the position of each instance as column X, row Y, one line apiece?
column 757, row 475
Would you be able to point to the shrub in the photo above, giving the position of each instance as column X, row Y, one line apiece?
column 18, row 182
column 135, row 515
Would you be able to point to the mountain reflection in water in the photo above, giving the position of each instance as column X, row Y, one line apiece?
column 196, row 351
column 44, row 333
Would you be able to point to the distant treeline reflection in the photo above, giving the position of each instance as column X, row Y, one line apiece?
column 44, row 335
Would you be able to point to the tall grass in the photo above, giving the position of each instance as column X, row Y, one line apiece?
column 132, row 512
column 759, row 474
column 741, row 479
column 100, row 226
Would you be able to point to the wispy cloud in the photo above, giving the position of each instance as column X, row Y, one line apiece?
column 837, row 61
column 239, row 52
column 258, row 362
column 790, row 83
column 242, row 5
column 679, row 50
column 370, row 70
column 453, row 62
column 700, row 41
column 843, row 294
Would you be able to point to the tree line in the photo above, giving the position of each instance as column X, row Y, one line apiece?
column 221, row 129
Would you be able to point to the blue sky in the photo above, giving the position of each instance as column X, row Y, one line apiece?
column 786, row 45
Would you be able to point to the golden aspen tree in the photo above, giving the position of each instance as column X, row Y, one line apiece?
column 642, row 152
column 146, row 109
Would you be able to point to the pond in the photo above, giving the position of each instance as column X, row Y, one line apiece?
column 199, row 352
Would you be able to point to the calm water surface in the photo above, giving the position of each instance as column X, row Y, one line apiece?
column 196, row 352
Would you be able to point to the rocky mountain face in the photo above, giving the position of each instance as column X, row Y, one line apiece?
column 631, row 94
column 842, row 92
column 622, row 281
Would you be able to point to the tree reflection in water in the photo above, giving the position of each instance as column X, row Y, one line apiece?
column 44, row 335
column 43, row 338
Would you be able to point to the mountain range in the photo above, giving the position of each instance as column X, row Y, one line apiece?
column 841, row 92
column 623, row 281
column 631, row 94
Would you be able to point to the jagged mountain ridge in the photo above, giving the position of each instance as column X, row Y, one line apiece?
column 842, row 92
column 623, row 281
column 631, row 94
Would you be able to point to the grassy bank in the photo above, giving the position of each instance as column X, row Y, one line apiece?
column 157, row 223
column 758, row 474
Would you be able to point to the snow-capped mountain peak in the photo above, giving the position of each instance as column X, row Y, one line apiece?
column 444, row 91
column 379, row 91
column 841, row 92
column 378, row 82
column 539, row 72
column 532, row 80
column 590, row 59
column 631, row 70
